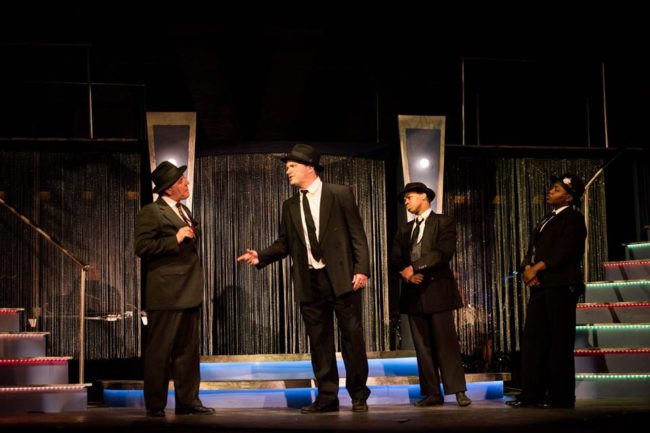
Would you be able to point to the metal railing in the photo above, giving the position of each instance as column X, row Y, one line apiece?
column 585, row 203
column 82, row 284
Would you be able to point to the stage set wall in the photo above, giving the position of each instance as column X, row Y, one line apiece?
column 89, row 201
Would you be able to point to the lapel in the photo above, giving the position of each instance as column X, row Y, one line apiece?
column 430, row 232
column 326, row 203
column 294, row 210
column 168, row 213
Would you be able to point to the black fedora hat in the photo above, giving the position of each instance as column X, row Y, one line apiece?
column 416, row 187
column 304, row 154
column 571, row 184
column 165, row 175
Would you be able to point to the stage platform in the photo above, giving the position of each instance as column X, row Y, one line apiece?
column 286, row 381
column 482, row 416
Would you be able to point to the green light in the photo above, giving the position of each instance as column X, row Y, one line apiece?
column 612, row 376
column 606, row 327
column 619, row 284
column 638, row 245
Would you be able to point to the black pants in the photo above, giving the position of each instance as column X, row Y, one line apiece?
column 436, row 346
column 318, row 316
column 549, row 337
column 172, row 351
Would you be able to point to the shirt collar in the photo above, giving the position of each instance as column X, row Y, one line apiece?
column 169, row 201
column 314, row 187
column 557, row 211
column 424, row 215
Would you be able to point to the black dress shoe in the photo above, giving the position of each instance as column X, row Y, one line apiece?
column 195, row 410
column 359, row 405
column 462, row 399
column 430, row 400
column 523, row 403
column 158, row 413
column 321, row 407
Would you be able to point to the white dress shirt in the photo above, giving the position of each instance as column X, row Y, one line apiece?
column 314, row 193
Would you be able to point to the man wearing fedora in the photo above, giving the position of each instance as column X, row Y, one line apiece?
column 321, row 230
column 552, row 273
column 165, row 239
column 421, row 254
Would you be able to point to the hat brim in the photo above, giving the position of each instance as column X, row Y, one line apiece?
column 171, row 181
column 429, row 192
column 286, row 158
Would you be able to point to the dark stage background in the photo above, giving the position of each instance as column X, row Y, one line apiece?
column 89, row 202
column 519, row 106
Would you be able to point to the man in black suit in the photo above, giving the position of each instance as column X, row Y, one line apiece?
column 165, row 238
column 421, row 254
column 321, row 230
column 552, row 272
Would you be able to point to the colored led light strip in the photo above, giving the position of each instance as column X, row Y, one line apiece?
column 24, row 389
column 638, row 245
column 640, row 326
column 589, row 352
column 611, row 376
column 8, row 311
column 34, row 361
column 612, row 305
column 626, row 263
column 619, row 283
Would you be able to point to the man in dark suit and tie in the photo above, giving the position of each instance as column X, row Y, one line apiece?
column 165, row 238
column 421, row 254
column 552, row 273
column 321, row 230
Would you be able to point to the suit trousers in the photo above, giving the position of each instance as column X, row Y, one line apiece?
column 172, row 351
column 549, row 338
column 318, row 316
column 436, row 347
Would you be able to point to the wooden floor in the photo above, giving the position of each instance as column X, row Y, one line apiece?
column 483, row 416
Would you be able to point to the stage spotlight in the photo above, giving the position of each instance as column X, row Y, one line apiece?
column 424, row 163
column 173, row 161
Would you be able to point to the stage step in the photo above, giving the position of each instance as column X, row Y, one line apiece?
column 613, row 312
column 22, row 344
column 10, row 319
column 612, row 335
column 296, row 393
column 612, row 360
column 618, row 291
column 612, row 385
column 33, row 371
column 50, row 398
column 627, row 270
column 299, row 369
column 637, row 251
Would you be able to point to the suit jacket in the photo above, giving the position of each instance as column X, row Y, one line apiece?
column 438, row 292
column 560, row 245
column 341, row 237
column 174, row 279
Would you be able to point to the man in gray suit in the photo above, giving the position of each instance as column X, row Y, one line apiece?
column 421, row 254
column 321, row 230
column 165, row 238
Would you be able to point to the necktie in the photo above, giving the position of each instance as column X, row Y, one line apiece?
column 311, row 227
column 416, row 233
column 179, row 206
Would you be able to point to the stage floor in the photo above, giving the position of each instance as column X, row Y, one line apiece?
column 488, row 415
